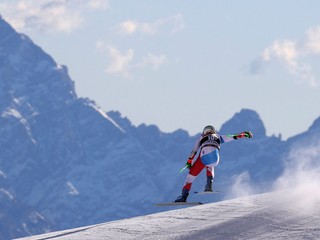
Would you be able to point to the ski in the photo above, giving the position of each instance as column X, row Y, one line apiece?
column 178, row 204
column 206, row 192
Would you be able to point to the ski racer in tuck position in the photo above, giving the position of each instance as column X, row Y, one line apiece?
column 209, row 145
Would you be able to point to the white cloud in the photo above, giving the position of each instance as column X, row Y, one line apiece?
column 48, row 15
column 153, row 60
column 101, row 46
column 293, row 56
column 128, row 27
column 313, row 40
column 120, row 62
column 282, row 50
column 178, row 23
column 124, row 63
column 98, row 4
column 171, row 24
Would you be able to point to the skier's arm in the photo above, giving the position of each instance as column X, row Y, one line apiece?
column 190, row 159
column 231, row 137
column 193, row 153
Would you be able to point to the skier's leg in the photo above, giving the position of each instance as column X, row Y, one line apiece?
column 210, row 176
column 193, row 173
column 210, row 160
column 209, row 171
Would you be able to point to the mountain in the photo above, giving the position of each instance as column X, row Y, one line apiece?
column 269, row 216
column 245, row 119
column 16, row 218
column 260, row 159
column 66, row 158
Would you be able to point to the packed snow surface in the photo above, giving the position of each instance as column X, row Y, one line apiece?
column 276, row 215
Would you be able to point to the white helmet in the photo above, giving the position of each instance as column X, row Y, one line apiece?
column 208, row 129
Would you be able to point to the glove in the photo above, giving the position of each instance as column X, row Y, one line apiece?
column 245, row 134
column 248, row 134
column 189, row 163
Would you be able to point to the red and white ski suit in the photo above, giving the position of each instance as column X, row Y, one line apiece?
column 208, row 157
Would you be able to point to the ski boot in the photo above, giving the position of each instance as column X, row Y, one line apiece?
column 208, row 187
column 183, row 197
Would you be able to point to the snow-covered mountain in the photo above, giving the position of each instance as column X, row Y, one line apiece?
column 66, row 157
column 77, row 165
column 266, row 216
column 16, row 218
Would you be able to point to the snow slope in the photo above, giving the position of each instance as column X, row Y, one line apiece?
column 275, row 215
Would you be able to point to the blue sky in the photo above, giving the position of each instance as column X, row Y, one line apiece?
column 185, row 64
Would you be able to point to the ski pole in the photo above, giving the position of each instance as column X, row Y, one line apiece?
column 183, row 168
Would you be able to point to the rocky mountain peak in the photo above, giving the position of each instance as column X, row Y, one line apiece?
column 315, row 125
column 28, row 75
column 246, row 119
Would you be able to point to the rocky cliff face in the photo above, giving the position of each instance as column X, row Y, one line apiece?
column 16, row 218
column 65, row 156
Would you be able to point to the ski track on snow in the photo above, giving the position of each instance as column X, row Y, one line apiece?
column 260, row 217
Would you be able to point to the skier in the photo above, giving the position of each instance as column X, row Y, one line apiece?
column 209, row 145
